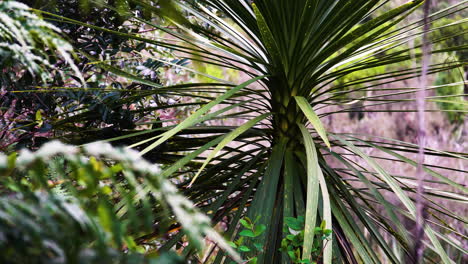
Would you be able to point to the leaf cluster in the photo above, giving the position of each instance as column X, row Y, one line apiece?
column 250, row 230
column 293, row 242
column 106, row 198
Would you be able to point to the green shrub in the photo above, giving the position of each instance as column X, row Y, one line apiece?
column 90, row 204
column 450, row 96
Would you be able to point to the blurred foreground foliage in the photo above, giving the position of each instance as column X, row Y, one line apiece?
column 64, row 204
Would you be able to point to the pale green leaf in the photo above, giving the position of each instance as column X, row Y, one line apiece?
column 313, row 118
column 313, row 170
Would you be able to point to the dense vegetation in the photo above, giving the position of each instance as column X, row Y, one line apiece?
column 216, row 147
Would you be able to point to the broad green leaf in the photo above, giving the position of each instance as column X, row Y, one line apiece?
column 253, row 260
column 323, row 224
column 294, row 224
column 247, row 233
column 245, row 224
column 244, row 249
column 258, row 246
column 259, row 229
column 232, row 244
column 39, row 118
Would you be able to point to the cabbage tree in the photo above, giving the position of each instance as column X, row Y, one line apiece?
column 281, row 162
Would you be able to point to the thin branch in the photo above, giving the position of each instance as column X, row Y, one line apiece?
column 420, row 101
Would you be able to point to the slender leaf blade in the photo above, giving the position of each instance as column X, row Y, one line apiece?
column 313, row 118
column 229, row 138
column 312, row 192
